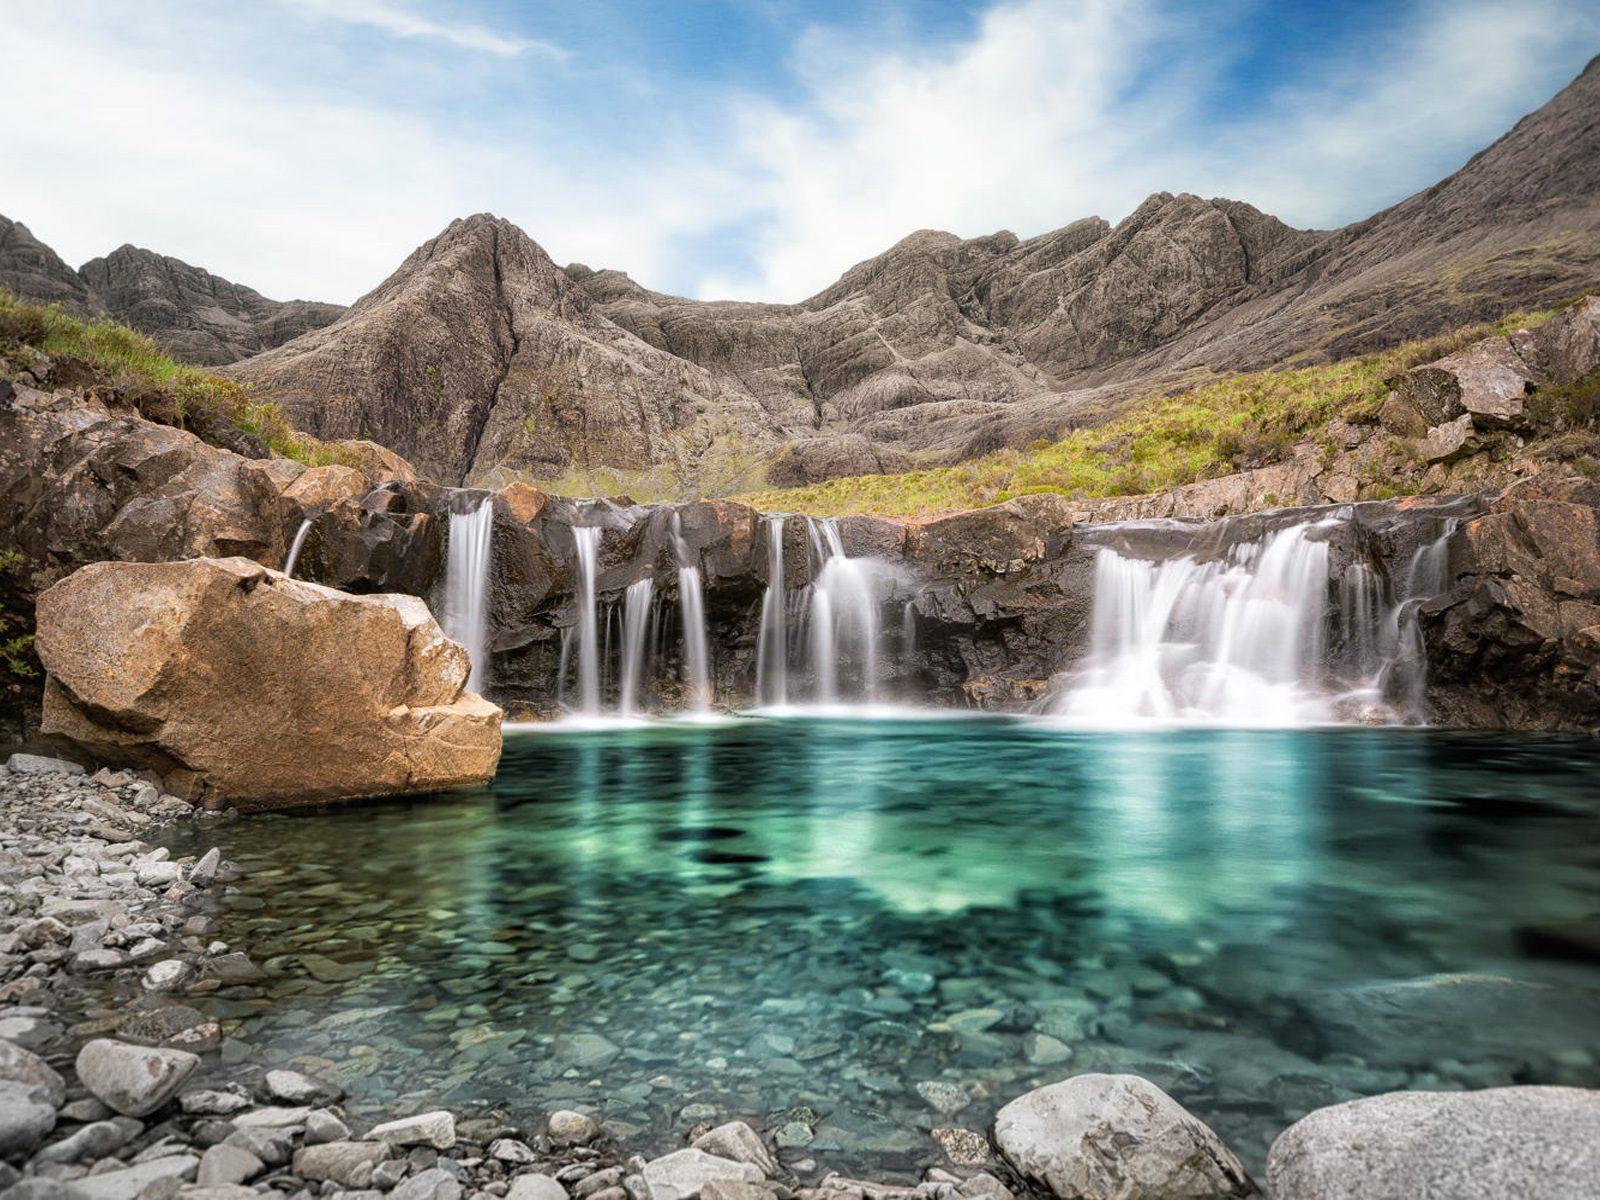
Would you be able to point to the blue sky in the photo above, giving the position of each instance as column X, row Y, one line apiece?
column 731, row 148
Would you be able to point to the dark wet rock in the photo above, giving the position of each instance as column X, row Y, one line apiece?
column 1534, row 1143
column 1443, row 1016
column 1107, row 1137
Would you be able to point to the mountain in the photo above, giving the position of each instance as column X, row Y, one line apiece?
column 480, row 360
column 479, row 355
column 193, row 315
column 35, row 272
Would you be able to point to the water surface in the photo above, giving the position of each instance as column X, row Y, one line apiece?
column 806, row 919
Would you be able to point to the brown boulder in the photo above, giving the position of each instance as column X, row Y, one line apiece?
column 244, row 687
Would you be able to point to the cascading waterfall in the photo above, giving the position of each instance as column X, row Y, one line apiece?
column 692, row 610
column 1238, row 639
column 1264, row 634
column 466, row 580
column 843, row 614
column 636, row 606
column 294, row 546
column 587, row 539
column 772, row 644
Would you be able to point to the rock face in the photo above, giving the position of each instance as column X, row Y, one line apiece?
column 242, row 686
column 35, row 272
column 193, row 315
column 480, row 356
column 479, row 359
column 1115, row 1137
column 1518, row 636
column 1534, row 1143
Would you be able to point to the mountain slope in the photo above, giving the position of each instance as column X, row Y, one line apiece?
column 192, row 314
column 480, row 356
column 195, row 316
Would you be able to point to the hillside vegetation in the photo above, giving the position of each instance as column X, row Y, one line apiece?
column 1208, row 430
column 134, row 372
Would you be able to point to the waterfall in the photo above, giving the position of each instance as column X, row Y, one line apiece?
column 692, row 609
column 1405, row 675
column 587, row 539
column 1238, row 639
column 772, row 645
column 844, row 614
column 294, row 546
column 466, row 580
column 636, row 606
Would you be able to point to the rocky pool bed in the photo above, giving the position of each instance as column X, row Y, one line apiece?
column 822, row 945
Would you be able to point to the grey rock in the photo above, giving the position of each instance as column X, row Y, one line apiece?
column 38, row 764
column 535, row 1186
column 323, row 1126
column 169, row 975
column 25, row 1119
column 205, row 868
column 432, row 1184
column 436, row 1129
column 1110, row 1137
column 292, row 1087
column 681, row 1174
column 209, row 1103
column 134, row 1080
column 568, row 1128
column 227, row 1164
column 271, row 1146
column 129, row 1183
column 21, row 1065
column 509, row 1150
column 735, row 1140
column 94, row 1141
column 348, row 1164
column 583, row 1050
column 230, row 969
column 1532, row 1143
column 273, row 1116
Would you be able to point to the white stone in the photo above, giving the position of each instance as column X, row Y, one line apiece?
column 25, row 1119
column 227, row 1164
column 436, row 1129
column 272, row 1117
column 134, row 1080
column 534, row 1186
column 568, row 1128
column 168, row 975
column 38, row 764
column 681, row 1174
column 1112, row 1137
column 18, row 1065
column 127, row 1183
column 1531, row 1143
column 295, row 1088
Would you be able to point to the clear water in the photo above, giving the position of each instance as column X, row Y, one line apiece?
column 806, row 919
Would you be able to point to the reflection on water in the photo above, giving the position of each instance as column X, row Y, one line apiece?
column 774, row 915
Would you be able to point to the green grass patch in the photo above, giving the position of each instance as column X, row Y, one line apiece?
column 140, row 375
column 1214, row 428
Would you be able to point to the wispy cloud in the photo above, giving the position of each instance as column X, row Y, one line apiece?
column 399, row 20
column 310, row 166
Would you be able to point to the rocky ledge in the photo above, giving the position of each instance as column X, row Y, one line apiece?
column 138, row 1100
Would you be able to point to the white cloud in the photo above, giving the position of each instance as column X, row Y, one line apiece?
column 399, row 20
column 1055, row 112
column 303, row 165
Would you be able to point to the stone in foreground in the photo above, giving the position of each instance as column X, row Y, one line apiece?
column 134, row 1080
column 436, row 1129
column 1533, row 1143
column 242, row 686
column 1116, row 1137
column 681, row 1174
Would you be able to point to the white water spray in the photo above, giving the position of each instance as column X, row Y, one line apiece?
column 772, row 645
column 1236, row 640
column 635, row 629
column 692, row 610
column 466, row 596
column 294, row 546
column 587, row 539
column 844, row 614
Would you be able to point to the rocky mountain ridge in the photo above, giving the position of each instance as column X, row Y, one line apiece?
column 193, row 315
column 482, row 361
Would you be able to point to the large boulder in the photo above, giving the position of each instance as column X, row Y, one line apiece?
column 1116, row 1137
column 134, row 1080
column 1532, row 1143
column 242, row 686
